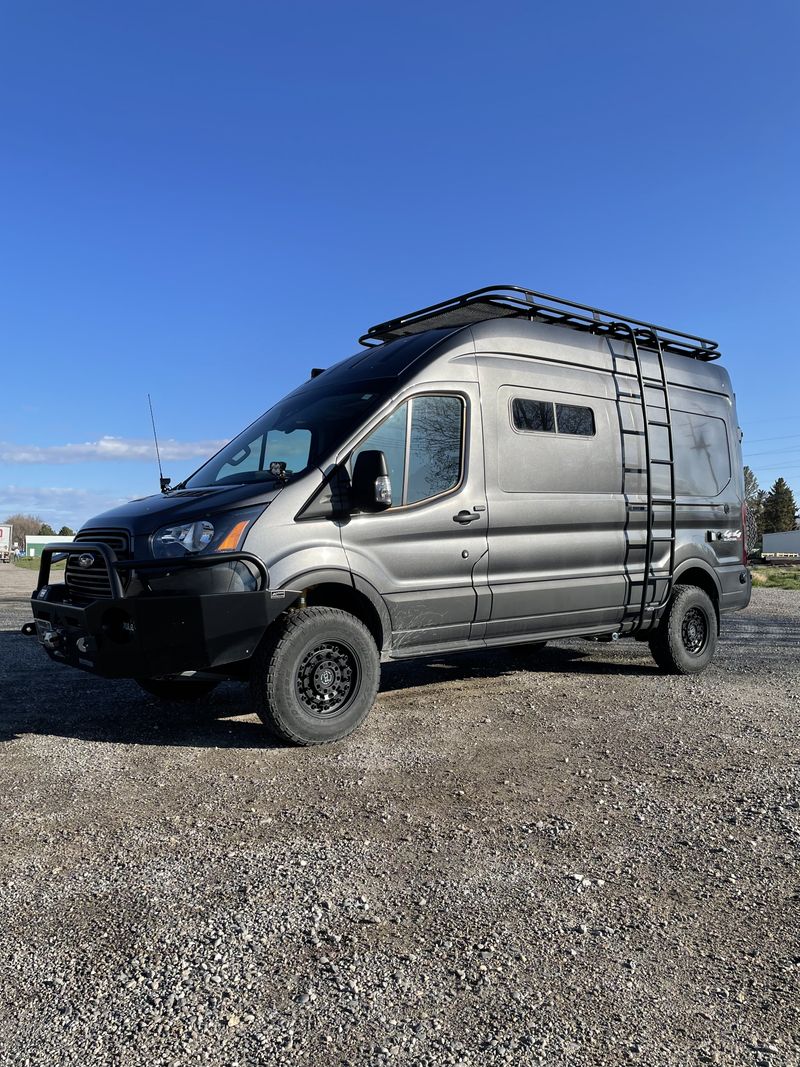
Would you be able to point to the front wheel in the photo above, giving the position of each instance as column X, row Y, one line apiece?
column 686, row 638
column 316, row 676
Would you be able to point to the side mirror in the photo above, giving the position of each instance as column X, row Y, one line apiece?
column 371, row 486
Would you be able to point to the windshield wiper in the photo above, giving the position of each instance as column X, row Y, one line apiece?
column 263, row 476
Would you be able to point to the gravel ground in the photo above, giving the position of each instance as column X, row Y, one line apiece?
column 559, row 858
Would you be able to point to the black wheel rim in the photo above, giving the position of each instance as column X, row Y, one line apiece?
column 328, row 678
column 694, row 631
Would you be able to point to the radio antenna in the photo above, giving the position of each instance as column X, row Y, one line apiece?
column 162, row 481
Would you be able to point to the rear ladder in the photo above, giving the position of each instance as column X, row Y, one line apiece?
column 642, row 610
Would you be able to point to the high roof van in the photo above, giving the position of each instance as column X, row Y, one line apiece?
column 502, row 468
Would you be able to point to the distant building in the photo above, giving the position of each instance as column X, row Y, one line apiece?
column 34, row 545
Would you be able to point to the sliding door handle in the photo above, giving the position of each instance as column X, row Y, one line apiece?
column 466, row 517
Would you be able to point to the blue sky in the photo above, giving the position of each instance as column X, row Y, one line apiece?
column 203, row 200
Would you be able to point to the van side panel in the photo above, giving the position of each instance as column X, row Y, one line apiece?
column 568, row 517
column 556, row 514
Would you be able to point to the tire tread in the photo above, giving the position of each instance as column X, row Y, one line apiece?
column 264, row 683
column 667, row 641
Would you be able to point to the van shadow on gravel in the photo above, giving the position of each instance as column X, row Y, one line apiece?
column 495, row 663
column 40, row 697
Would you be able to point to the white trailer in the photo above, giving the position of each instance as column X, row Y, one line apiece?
column 781, row 547
column 5, row 543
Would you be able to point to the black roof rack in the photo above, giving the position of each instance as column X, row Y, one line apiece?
column 512, row 301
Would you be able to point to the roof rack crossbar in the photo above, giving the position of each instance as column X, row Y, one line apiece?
column 515, row 301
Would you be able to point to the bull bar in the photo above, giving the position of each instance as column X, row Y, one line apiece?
column 151, row 634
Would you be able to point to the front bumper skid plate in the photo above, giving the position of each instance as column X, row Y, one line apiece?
column 151, row 635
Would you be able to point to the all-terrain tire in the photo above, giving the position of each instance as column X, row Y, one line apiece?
column 178, row 690
column 315, row 676
column 686, row 638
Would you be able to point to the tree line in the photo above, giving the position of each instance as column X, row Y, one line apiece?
column 32, row 526
column 773, row 511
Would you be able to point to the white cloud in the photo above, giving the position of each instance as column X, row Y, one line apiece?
column 59, row 506
column 107, row 448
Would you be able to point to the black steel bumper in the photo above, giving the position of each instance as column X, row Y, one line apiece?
column 150, row 635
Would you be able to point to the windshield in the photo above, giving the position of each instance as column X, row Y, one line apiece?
column 301, row 431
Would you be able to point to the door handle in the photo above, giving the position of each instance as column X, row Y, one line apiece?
column 466, row 517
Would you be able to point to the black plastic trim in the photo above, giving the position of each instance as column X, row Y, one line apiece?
column 114, row 566
column 150, row 635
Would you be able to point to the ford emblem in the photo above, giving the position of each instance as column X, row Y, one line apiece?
column 86, row 560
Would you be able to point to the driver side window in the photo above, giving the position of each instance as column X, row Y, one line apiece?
column 389, row 438
column 423, row 444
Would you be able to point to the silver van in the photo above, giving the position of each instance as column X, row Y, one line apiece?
column 505, row 467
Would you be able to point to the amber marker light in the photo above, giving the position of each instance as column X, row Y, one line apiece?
column 233, row 538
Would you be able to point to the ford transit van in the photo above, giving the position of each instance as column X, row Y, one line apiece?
column 502, row 468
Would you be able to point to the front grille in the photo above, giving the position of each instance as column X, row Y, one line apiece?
column 92, row 583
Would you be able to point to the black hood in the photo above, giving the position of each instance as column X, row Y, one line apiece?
column 149, row 513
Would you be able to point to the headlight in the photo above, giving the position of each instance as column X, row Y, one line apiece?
column 224, row 534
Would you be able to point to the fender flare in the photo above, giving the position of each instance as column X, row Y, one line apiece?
column 698, row 563
column 340, row 576
column 361, row 585
column 328, row 575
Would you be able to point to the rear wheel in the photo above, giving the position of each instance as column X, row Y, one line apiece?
column 316, row 676
column 178, row 690
column 686, row 638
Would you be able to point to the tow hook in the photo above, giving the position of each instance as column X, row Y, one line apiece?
column 51, row 639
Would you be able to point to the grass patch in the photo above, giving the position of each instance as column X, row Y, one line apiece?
column 33, row 565
column 776, row 577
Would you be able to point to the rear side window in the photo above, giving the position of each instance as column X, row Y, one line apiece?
column 575, row 420
column 546, row 416
column 556, row 459
column 533, row 416
column 702, row 454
